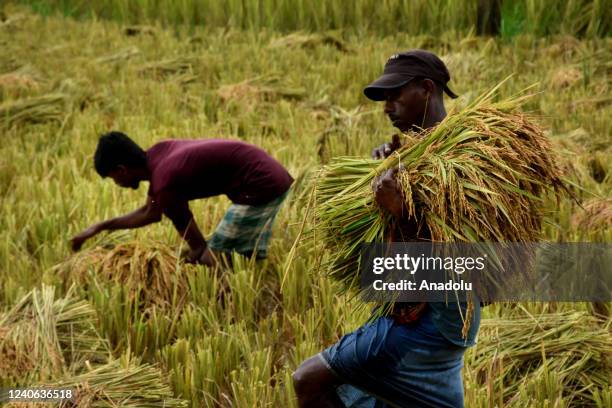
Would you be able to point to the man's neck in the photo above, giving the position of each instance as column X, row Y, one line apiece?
column 143, row 174
column 434, row 114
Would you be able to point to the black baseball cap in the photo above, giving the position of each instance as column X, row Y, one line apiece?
column 403, row 67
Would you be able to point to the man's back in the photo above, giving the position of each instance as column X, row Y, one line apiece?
column 207, row 167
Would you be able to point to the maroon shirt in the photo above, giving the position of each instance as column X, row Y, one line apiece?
column 183, row 170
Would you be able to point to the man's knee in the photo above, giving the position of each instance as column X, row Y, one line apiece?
column 313, row 377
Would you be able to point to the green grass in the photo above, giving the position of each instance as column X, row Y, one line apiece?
column 240, row 348
column 539, row 17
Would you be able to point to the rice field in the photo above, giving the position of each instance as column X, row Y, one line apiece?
column 127, row 324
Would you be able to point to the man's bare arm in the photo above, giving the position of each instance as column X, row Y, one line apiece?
column 145, row 215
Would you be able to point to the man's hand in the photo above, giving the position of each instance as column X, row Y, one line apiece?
column 388, row 194
column 384, row 150
column 78, row 240
column 193, row 255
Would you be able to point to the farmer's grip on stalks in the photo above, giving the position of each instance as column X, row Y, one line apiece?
column 384, row 150
column 388, row 194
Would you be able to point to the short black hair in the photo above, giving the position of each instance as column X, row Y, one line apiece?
column 117, row 149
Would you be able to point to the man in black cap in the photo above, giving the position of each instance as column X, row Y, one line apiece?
column 413, row 356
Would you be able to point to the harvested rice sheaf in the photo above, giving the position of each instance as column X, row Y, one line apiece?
column 595, row 216
column 120, row 383
column 479, row 176
column 151, row 272
column 43, row 336
column 514, row 355
column 37, row 109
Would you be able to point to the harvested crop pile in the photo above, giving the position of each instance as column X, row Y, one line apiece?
column 51, row 107
column 121, row 383
column 38, row 109
column 19, row 81
column 595, row 216
column 151, row 272
column 52, row 342
column 514, row 357
column 167, row 67
column 260, row 90
column 476, row 177
column 43, row 336
column 309, row 41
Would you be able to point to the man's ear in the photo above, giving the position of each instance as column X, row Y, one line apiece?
column 429, row 86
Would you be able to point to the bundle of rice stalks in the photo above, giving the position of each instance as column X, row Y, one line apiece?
column 314, row 40
column 476, row 177
column 19, row 81
column 168, row 67
column 39, row 109
column 151, row 272
column 43, row 336
column 594, row 217
column 120, row 56
column 120, row 383
column 260, row 90
column 513, row 354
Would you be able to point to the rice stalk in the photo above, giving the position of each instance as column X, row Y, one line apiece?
column 120, row 383
column 44, row 336
column 151, row 273
column 515, row 354
column 37, row 109
column 302, row 40
column 259, row 90
column 167, row 67
column 479, row 176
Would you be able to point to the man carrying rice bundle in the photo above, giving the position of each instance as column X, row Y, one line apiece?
column 179, row 171
column 414, row 357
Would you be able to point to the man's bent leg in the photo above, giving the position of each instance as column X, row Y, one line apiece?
column 315, row 385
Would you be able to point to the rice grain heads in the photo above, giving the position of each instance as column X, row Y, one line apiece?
column 43, row 336
column 150, row 271
column 479, row 176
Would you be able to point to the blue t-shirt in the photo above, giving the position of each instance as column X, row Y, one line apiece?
column 448, row 319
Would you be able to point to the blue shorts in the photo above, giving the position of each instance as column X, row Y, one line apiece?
column 385, row 364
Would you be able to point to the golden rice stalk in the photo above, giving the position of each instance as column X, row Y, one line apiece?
column 595, row 215
column 151, row 272
column 297, row 40
column 259, row 90
column 167, row 67
column 479, row 176
column 121, row 383
column 523, row 348
column 38, row 109
column 43, row 336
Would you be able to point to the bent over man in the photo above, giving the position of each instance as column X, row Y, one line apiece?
column 182, row 170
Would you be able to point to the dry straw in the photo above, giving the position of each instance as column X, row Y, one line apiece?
column 479, row 176
column 121, row 383
column 151, row 271
column 516, row 354
column 43, row 336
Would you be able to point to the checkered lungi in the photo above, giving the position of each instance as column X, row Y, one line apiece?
column 246, row 229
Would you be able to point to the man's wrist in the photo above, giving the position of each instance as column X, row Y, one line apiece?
column 199, row 250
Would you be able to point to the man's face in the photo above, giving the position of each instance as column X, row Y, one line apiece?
column 124, row 177
column 405, row 106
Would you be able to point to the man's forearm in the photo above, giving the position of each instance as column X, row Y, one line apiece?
column 191, row 233
column 135, row 219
